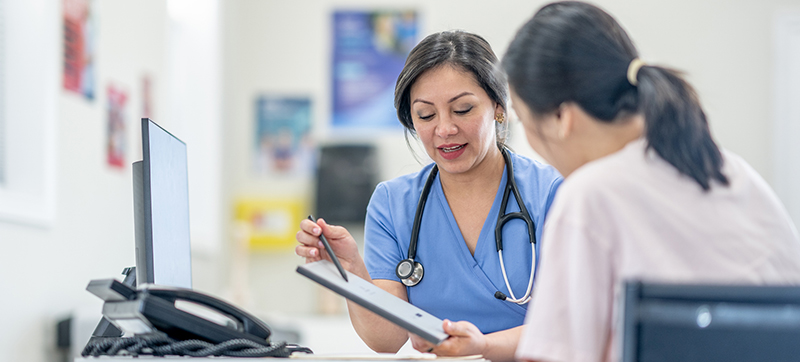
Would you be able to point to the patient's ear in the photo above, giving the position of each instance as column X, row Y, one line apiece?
column 565, row 119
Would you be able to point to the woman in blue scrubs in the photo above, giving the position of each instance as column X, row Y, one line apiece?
column 452, row 100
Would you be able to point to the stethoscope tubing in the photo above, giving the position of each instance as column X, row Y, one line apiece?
column 528, row 291
column 423, row 199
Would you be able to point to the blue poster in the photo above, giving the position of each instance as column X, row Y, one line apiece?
column 369, row 51
column 282, row 143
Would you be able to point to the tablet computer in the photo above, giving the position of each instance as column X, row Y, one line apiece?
column 377, row 300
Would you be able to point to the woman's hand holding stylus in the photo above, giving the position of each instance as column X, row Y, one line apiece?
column 340, row 240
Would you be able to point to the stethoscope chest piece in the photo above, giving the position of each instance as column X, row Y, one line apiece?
column 409, row 272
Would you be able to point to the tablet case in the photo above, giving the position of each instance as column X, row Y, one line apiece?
column 377, row 300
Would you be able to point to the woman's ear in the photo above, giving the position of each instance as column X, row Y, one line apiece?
column 499, row 110
column 565, row 120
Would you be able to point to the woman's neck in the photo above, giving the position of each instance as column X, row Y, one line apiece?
column 614, row 137
column 601, row 139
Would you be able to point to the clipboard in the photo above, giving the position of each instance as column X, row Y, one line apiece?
column 377, row 300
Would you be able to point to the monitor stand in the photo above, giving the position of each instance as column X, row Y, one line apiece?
column 105, row 328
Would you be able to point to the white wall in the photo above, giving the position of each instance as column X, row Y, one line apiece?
column 786, row 114
column 46, row 267
column 282, row 47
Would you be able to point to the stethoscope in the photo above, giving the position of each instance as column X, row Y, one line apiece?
column 411, row 272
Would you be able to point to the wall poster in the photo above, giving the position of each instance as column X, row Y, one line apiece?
column 282, row 143
column 147, row 97
column 115, row 129
column 79, row 47
column 369, row 51
column 271, row 222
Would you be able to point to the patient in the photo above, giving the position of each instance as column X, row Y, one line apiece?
column 647, row 193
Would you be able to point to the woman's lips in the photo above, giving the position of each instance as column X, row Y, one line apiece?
column 451, row 151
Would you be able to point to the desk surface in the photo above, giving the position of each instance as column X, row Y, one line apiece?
column 167, row 358
column 313, row 358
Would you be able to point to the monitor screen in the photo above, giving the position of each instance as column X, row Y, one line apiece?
column 161, row 208
column 664, row 322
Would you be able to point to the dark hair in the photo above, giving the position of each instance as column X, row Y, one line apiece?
column 465, row 51
column 576, row 52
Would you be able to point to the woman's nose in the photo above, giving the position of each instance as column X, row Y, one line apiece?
column 446, row 127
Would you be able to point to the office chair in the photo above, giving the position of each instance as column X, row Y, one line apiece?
column 669, row 322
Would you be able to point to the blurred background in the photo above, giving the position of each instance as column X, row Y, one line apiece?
column 286, row 108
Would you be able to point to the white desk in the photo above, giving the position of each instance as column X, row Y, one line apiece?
column 228, row 359
column 316, row 358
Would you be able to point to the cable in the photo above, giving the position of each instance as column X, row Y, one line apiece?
column 162, row 345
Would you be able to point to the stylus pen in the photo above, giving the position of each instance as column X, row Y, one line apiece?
column 330, row 252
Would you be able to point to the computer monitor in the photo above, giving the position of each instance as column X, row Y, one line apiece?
column 161, row 209
column 664, row 322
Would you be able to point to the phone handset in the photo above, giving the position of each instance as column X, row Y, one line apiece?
column 249, row 323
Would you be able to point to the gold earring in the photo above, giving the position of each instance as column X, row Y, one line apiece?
column 499, row 117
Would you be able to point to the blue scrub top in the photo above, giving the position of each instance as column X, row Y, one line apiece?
column 457, row 285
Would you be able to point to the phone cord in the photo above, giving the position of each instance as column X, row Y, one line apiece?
column 160, row 345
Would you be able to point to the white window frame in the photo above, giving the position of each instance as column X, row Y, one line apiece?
column 29, row 60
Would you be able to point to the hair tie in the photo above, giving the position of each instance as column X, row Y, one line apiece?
column 633, row 70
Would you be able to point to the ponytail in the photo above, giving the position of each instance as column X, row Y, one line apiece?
column 572, row 51
column 676, row 126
